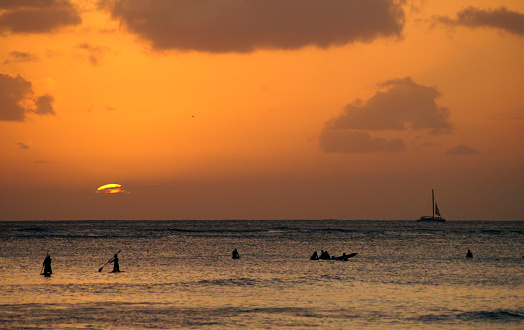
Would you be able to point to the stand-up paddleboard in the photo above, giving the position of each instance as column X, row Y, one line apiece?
column 46, row 274
column 346, row 257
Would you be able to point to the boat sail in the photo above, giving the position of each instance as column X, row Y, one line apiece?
column 438, row 217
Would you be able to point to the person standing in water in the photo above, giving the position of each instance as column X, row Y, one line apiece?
column 469, row 254
column 235, row 254
column 116, row 266
column 47, row 265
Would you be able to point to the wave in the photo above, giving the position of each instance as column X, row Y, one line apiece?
column 229, row 282
column 217, row 231
column 497, row 316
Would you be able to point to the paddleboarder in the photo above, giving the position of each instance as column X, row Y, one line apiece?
column 114, row 260
column 47, row 265
column 116, row 266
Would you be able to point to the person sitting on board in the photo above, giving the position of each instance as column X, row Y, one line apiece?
column 314, row 256
column 47, row 265
column 325, row 255
column 235, row 254
column 469, row 254
column 116, row 266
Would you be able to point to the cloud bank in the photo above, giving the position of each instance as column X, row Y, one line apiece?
column 16, row 56
column 462, row 150
column 16, row 98
column 220, row 26
column 36, row 16
column 500, row 18
column 344, row 141
column 405, row 105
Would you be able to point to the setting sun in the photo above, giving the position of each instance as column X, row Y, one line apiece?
column 111, row 188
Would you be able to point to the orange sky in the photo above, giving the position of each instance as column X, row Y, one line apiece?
column 261, row 109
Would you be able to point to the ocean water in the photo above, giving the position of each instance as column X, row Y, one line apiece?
column 179, row 274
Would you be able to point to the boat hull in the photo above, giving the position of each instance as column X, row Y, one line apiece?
column 432, row 219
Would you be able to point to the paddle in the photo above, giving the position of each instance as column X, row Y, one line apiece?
column 100, row 270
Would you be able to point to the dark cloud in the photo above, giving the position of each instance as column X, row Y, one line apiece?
column 23, row 145
column 247, row 25
column 94, row 53
column 462, row 150
column 405, row 105
column 343, row 141
column 36, row 16
column 13, row 90
column 44, row 105
column 16, row 95
column 20, row 57
column 500, row 18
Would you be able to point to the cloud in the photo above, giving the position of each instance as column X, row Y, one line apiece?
column 344, row 141
column 16, row 98
column 220, row 26
column 23, row 145
column 405, row 105
column 500, row 18
column 43, row 16
column 15, row 57
column 44, row 105
column 462, row 150
column 94, row 52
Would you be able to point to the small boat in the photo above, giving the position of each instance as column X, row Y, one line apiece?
column 436, row 212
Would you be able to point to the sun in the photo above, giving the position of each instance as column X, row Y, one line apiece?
column 111, row 188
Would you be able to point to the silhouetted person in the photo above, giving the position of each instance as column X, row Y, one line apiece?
column 235, row 254
column 325, row 255
column 469, row 254
column 116, row 266
column 314, row 256
column 47, row 265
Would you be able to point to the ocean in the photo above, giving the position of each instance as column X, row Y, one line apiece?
column 180, row 274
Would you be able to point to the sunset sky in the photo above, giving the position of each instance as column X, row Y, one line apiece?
column 251, row 109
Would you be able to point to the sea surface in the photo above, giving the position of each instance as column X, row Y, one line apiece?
column 180, row 274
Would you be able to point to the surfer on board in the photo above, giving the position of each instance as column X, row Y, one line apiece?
column 469, row 254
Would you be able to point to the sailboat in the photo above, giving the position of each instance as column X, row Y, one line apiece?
column 436, row 212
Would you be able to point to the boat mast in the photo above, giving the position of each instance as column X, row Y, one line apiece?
column 433, row 201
